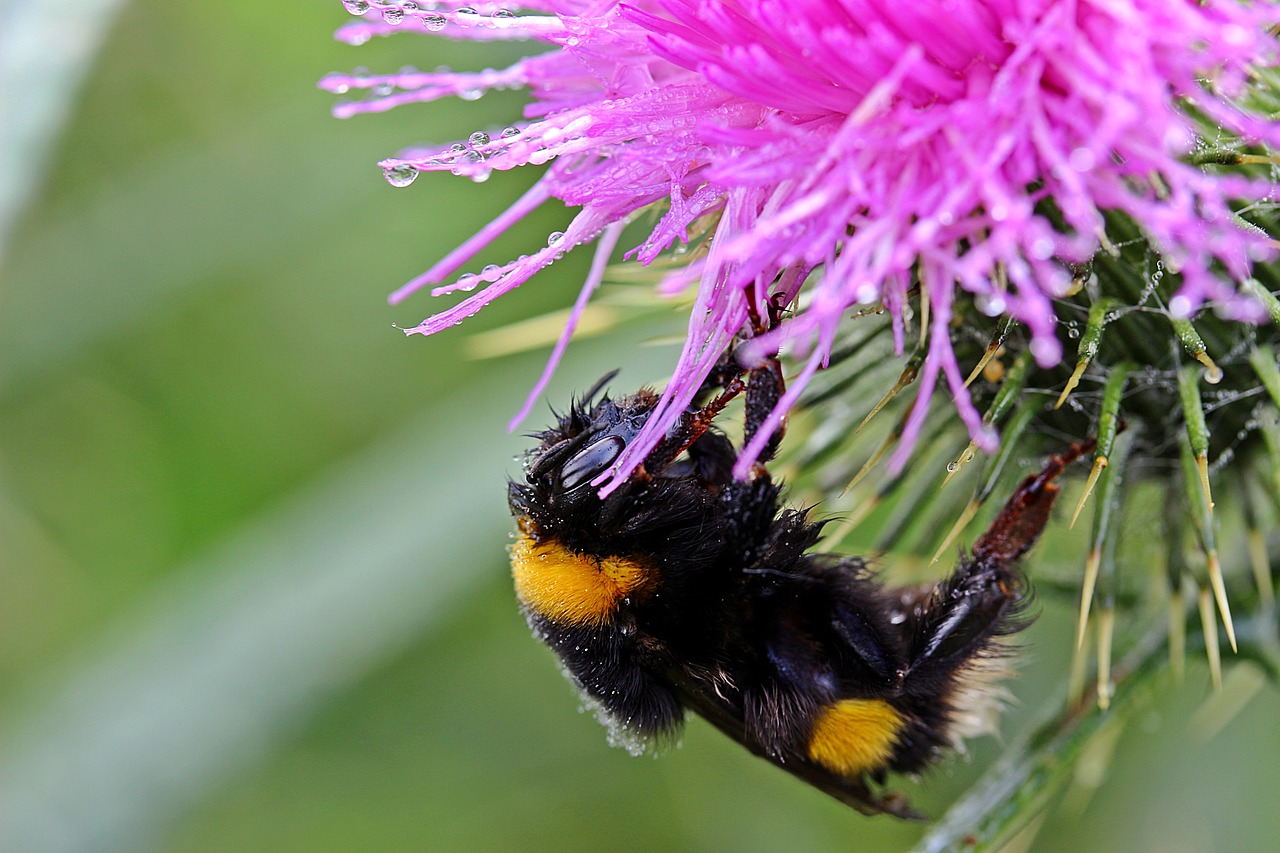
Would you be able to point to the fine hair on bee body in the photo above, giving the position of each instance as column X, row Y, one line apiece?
column 686, row 589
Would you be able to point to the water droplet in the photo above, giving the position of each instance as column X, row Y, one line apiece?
column 491, row 272
column 393, row 16
column 478, row 138
column 400, row 176
column 356, row 7
column 409, row 6
column 470, row 94
column 468, row 281
column 952, row 467
column 1042, row 248
column 457, row 148
column 509, row 132
column 383, row 89
column 435, row 23
column 1180, row 308
column 555, row 238
column 503, row 15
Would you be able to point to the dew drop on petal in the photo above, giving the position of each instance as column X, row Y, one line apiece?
column 393, row 16
column 990, row 305
column 509, row 132
column 435, row 23
column 400, row 176
column 356, row 7
column 1082, row 159
column 555, row 238
column 478, row 138
column 1046, row 352
column 1235, row 34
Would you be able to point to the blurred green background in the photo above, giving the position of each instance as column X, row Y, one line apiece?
column 253, row 591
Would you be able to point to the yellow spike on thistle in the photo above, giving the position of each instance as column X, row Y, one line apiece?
column 1220, row 593
column 1209, row 624
column 908, row 375
column 1098, row 465
column 1086, row 594
column 1106, row 631
column 1202, row 465
column 1072, row 381
column 1261, row 567
column 1212, row 373
column 966, row 516
column 965, row 457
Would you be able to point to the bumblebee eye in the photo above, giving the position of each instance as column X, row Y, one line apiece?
column 586, row 464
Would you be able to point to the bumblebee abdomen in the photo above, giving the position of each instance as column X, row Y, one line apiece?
column 855, row 736
column 568, row 588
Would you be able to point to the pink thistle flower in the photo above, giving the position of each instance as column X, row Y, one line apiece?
column 852, row 150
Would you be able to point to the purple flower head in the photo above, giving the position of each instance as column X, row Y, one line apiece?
column 842, row 153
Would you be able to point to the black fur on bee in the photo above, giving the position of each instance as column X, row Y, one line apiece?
column 685, row 589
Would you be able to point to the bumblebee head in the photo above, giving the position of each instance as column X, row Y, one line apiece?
column 579, row 448
column 584, row 443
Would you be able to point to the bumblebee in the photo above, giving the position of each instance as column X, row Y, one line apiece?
column 688, row 590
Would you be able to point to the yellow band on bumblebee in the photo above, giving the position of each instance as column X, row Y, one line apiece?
column 854, row 736
column 571, row 588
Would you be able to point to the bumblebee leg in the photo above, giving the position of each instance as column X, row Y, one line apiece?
column 1024, row 516
column 765, row 386
column 692, row 426
column 981, row 599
